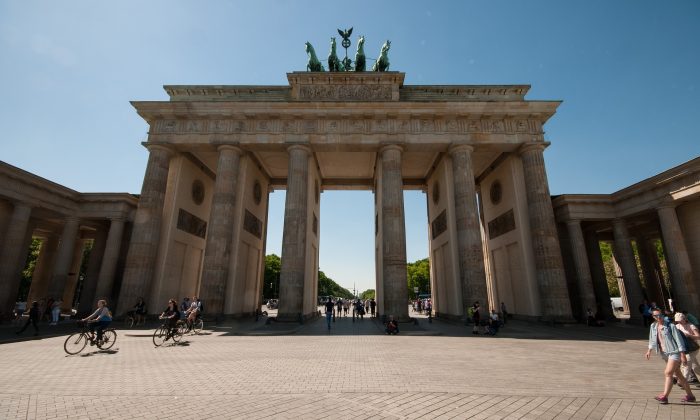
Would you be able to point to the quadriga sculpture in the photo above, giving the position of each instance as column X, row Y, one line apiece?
column 313, row 64
column 360, row 55
column 334, row 64
column 382, row 63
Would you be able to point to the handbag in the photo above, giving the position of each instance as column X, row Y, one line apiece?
column 690, row 344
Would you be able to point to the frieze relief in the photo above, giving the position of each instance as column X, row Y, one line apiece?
column 345, row 93
column 349, row 126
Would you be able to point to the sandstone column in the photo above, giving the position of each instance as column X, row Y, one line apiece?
column 583, row 271
column 87, row 292
column 64, row 257
column 600, row 282
column 12, row 258
column 105, row 279
column 393, row 234
column 43, row 269
column 469, row 244
column 549, row 266
column 220, row 247
column 145, row 237
column 73, row 276
column 653, row 286
column 293, row 269
column 684, row 293
column 630, row 276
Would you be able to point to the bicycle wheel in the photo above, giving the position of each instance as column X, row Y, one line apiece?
column 75, row 343
column 178, row 332
column 129, row 321
column 109, row 337
column 198, row 326
column 159, row 336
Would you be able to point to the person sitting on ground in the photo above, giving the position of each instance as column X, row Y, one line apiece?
column 99, row 320
column 172, row 314
column 392, row 327
column 494, row 322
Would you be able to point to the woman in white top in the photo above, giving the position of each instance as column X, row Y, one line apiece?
column 691, row 333
column 100, row 319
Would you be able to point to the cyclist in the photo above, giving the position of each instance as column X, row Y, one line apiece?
column 172, row 314
column 99, row 320
column 193, row 312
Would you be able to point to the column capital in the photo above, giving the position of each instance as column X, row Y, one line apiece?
column 159, row 147
column 302, row 147
column 573, row 222
column 533, row 146
column 456, row 148
column 233, row 147
column 387, row 147
column 666, row 204
column 117, row 218
column 71, row 218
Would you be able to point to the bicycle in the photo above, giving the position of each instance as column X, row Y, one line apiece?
column 76, row 342
column 164, row 333
column 196, row 327
column 133, row 319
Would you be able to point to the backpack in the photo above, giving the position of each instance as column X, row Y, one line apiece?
column 200, row 306
column 470, row 312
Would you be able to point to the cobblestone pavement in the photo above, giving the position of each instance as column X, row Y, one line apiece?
column 250, row 370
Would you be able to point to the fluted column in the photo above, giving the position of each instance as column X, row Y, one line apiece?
column 293, row 269
column 64, row 257
column 549, row 266
column 583, row 272
column 469, row 244
column 220, row 247
column 394, row 268
column 88, row 290
column 145, row 236
column 105, row 278
column 630, row 276
column 653, row 286
column 684, row 294
column 600, row 282
column 12, row 258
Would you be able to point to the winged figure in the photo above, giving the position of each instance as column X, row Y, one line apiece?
column 345, row 34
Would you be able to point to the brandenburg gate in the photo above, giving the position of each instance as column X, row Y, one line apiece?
column 215, row 153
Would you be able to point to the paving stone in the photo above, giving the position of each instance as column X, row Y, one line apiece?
column 436, row 370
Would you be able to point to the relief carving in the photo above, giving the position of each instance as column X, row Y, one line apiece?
column 345, row 93
column 252, row 224
column 439, row 224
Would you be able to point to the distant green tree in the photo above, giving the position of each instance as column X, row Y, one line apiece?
column 609, row 266
column 368, row 294
column 326, row 285
column 26, row 280
column 418, row 276
column 271, row 287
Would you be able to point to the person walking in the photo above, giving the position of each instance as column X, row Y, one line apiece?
column 329, row 312
column 476, row 317
column 691, row 333
column 504, row 313
column 372, row 306
column 666, row 339
column 33, row 319
column 56, row 311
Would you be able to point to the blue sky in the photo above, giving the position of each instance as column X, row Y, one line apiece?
column 627, row 72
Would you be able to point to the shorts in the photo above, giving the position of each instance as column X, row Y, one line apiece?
column 673, row 356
